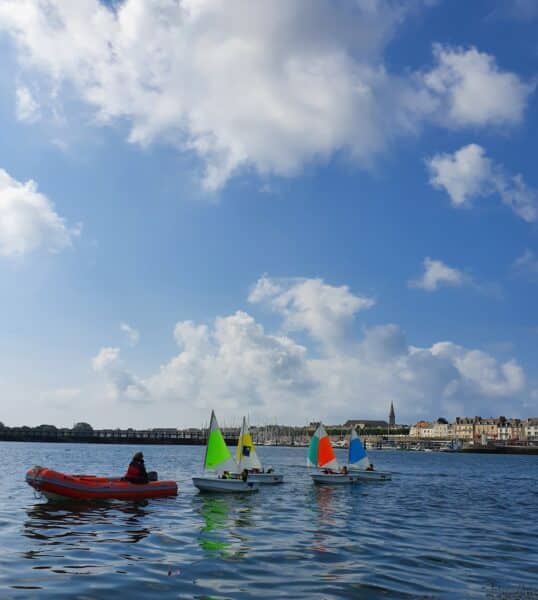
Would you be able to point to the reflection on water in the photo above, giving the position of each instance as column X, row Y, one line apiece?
column 224, row 518
column 69, row 522
column 323, row 496
column 66, row 530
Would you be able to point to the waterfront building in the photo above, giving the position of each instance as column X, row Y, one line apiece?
column 530, row 432
column 435, row 429
column 463, row 428
column 418, row 428
column 510, row 429
column 487, row 429
column 441, row 428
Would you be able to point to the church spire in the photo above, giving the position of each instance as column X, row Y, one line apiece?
column 392, row 416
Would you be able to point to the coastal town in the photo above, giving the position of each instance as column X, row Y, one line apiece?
column 460, row 434
column 478, row 429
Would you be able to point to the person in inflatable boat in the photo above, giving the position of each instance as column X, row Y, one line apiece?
column 136, row 473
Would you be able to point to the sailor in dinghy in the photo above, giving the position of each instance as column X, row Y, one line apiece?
column 359, row 462
column 219, row 460
column 321, row 454
column 247, row 458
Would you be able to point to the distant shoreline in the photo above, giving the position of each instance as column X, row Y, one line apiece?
column 513, row 450
column 133, row 441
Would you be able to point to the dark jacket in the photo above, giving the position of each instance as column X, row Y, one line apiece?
column 136, row 473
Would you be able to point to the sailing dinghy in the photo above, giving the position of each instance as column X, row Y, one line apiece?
column 321, row 454
column 247, row 458
column 219, row 460
column 359, row 463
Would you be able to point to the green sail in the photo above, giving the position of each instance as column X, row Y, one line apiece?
column 217, row 452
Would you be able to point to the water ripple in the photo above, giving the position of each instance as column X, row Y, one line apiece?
column 447, row 526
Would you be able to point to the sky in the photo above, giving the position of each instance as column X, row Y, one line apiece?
column 292, row 211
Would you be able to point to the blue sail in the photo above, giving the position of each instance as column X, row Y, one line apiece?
column 357, row 453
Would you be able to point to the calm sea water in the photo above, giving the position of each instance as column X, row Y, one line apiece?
column 447, row 526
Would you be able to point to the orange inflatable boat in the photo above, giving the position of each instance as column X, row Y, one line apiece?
column 59, row 486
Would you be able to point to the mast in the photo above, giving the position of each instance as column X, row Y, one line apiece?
column 208, row 434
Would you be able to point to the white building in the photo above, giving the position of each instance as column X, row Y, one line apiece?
column 435, row 429
column 531, row 430
column 510, row 430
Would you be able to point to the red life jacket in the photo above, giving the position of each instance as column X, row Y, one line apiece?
column 134, row 471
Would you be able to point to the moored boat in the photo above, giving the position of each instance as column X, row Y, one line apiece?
column 61, row 486
column 223, row 468
column 247, row 458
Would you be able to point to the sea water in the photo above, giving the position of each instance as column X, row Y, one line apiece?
column 446, row 526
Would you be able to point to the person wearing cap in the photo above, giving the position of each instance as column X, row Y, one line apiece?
column 136, row 473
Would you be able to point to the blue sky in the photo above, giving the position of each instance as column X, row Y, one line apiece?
column 298, row 213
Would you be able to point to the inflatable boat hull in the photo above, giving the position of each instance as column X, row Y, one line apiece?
column 59, row 486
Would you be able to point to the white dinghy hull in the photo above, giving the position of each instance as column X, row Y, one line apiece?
column 373, row 475
column 225, row 486
column 246, row 457
column 334, row 478
column 265, row 478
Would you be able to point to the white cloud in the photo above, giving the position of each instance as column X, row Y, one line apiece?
column 526, row 265
column 437, row 274
column 243, row 85
column 515, row 193
column 235, row 366
column 468, row 174
column 472, row 90
column 483, row 370
column 132, row 334
column 122, row 385
column 27, row 109
column 324, row 311
column 464, row 175
column 28, row 221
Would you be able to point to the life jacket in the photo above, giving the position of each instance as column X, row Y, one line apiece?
column 135, row 471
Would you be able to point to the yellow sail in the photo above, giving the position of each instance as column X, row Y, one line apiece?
column 246, row 456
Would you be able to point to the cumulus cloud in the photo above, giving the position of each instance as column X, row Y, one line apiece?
column 470, row 89
column 483, row 370
column 132, row 334
column 464, row 175
column 526, row 265
column 324, row 311
column 468, row 174
column 122, row 385
column 437, row 274
column 234, row 364
column 28, row 221
column 245, row 85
